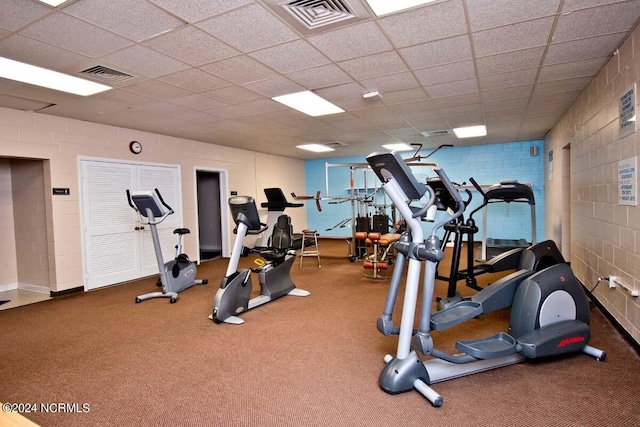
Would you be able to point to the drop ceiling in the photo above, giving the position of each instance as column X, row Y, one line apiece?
column 206, row 70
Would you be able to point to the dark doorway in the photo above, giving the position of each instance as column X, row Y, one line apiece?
column 209, row 219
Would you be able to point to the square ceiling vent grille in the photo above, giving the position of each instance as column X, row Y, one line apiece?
column 314, row 16
column 106, row 75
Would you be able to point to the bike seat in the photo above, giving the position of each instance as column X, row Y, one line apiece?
column 181, row 231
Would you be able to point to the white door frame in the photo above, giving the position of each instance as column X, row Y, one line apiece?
column 224, row 212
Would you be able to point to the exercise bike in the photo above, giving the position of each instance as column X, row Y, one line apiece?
column 179, row 273
column 549, row 309
column 232, row 297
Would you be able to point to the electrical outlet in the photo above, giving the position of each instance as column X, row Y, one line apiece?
column 613, row 281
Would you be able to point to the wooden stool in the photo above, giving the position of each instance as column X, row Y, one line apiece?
column 309, row 234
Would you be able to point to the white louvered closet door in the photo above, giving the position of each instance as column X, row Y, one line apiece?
column 116, row 248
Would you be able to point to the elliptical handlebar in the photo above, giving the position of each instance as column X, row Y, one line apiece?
column 455, row 194
column 477, row 186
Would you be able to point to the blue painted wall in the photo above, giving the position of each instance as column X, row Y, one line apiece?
column 487, row 164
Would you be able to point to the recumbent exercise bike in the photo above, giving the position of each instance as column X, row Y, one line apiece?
column 232, row 297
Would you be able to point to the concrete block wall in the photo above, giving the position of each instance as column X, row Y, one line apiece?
column 58, row 143
column 601, row 236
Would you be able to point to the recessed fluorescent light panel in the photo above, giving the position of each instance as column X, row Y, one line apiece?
column 384, row 7
column 398, row 147
column 308, row 103
column 470, row 131
column 53, row 3
column 25, row 73
column 316, row 148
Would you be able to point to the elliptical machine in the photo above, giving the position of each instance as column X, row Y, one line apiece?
column 549, row 309
column 275, row 280
column 179, row 273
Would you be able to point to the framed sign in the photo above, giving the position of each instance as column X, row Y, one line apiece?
column 627, row 182
column 627, row 111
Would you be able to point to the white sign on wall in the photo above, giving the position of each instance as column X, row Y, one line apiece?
column 627, row 111
column 627, row 188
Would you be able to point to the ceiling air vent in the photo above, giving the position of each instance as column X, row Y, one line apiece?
column 317, row 13
column 314, row 16
column 335, row 144
column 436, row 133
column 106, row 75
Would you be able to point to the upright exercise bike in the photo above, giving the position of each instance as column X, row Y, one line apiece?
column 179, row 273
column 275, row 280
column 549, row 309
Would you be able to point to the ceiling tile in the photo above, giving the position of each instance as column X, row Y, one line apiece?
column 192, row 46
column 122, row 97
column 453, row 88
column 239, row 70
column 546, row 98
column 274, row 86
column 508, row 93
column 292, row 56
column 315, row 78
column 78, row 36
column 505, row 104
column 351, row 42
column 391, row 83
column 416, row 107
column 570, row 5
column 196, row 10
column 198, row 102
column 141, row 20
column 35, row 52
column 232, row 95
column 504, row 80
column 347, row 90
column 562, row 85
column 144, row 61
column 262, row 106
column 457, row 100
column 249, row 28
column 484, row 14
column 505, row 111
column 613, row 18
column 445, row 73
column 17, row 103
column 512, row 37
column 165, row 108
column 229, row 112
column 157, row 89
column 374, row 65
column 195, row 80
column 428, row 23
column 437, row 53
column 510, row 61
column 402, row 96
column 586, row 67
column 592, row 47
column 18, row 14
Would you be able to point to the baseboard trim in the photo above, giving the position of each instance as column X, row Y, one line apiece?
column 64, row 292
column 625, row 334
